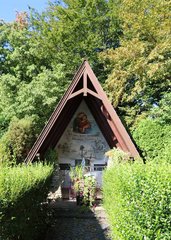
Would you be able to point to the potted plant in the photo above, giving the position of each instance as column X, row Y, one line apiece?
column 84, row 186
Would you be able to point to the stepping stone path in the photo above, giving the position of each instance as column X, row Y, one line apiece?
column 70, row 222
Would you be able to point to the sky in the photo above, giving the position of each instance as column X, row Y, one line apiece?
column 8, row 8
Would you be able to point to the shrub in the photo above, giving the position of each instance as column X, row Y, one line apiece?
column 152, row 138
column 165, row 154
column 23, row 190
column 116, row 156
column 137, row 200
column 17, row 141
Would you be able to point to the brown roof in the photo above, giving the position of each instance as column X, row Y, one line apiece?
column 84, row 86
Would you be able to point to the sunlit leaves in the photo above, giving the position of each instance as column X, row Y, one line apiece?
column 140, row 67
column 137, row 200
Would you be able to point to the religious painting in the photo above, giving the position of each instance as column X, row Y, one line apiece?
column 81, row 124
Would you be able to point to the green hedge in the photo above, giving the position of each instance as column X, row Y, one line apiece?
column 137, row 198
column 153, row 139
column 23, row 191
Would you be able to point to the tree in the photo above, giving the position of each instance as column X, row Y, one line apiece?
column 37, row 49
column 36, row 98
column 39, row 97
column 29, row 83
column 140, row 67
column 73, row 30
column 162, row 112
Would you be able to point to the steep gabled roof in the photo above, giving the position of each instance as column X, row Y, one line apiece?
column 84, row 86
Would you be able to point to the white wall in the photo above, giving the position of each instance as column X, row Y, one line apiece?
column 82, row 138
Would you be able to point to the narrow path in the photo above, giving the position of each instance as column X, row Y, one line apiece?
column 70, row 222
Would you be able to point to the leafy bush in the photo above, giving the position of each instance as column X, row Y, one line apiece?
column 152, row 138
column 116, row 156
column 23, row 189
column 137, row 200
column 165, row 154
column 16, row 142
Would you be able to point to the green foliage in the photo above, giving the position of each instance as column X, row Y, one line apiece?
column 137, row 200
column 162, row 112
column 140, row 66
column 51, row 156
column 117, row 156
column 75, row 30
column 3, row 125
column 153, row 134
column 16, row 142
column 133, row 38
column 89, row 190
column 30, row 84
column 76, row 173
column 39, row 54
column 165, row 154
column 20, row 58
column 36, row 98
column 84, row 186
column 23, row 189
column 40, row 97
column 153, row 139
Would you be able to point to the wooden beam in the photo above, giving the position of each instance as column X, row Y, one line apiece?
column 74, row 94
column 94, row 94
column 85, row 83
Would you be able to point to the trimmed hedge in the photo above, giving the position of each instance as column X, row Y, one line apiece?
column 137, row 198
column 23, row 190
